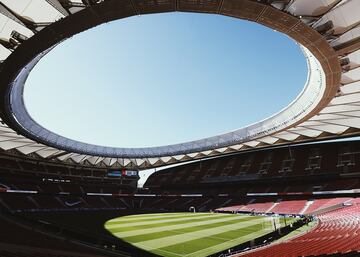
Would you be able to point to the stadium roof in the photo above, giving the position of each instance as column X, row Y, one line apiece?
column 328, row 107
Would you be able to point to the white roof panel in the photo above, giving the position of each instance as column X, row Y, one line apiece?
column 306, row 132
column 310, row 7
column 331, row 128
column 352, row 98
column 340, row 108
column 38, row 11
column 351, row 88
column 345, row 15
column 9, row 25
column 287, row 136
column 351, row 76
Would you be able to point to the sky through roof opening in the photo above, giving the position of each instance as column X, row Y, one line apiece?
column 163, row 79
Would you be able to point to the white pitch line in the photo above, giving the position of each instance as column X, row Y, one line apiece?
column 177, row 226
column 181, row 238
column 142, row 223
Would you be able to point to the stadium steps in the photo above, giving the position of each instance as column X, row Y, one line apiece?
column 31, row 199
column 226, row 203
column 4, row 204
column 307, row 205
column 187, row 203
column 125, row 203
column 272, row 207
column 251, row 201
column 234, row 208
column 202, row 207
column 4, row 186
column 333, row 204
column 322, row 205
column 105, row 202
column 60, row 201
column 289, row 207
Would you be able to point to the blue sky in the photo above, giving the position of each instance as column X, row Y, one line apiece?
column 163, row 79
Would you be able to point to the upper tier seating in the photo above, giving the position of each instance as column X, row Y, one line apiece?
column 322, row 162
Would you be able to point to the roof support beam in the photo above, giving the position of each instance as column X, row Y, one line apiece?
column 58, row 6
column 348, row 47
column 21, row 20
column 4, row 10
column 57, row 155
column 68, row 4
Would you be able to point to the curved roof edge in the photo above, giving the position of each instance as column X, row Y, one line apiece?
column 320, row 27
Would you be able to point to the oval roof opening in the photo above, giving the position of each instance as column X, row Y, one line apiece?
column 164, row 79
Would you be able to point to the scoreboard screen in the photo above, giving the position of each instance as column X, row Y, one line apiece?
column 122, row 173
column 114, row 173
column 130, row 173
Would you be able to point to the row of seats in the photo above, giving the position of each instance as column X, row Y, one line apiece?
column 290, row 207
column 55, row 183
column 338, row 231
column 27, row 202
column 19, row 173
column 325, row 203
column 16, row 163
column 17, row 202
column 340, row 157
column 22, row 241
column 40, row 253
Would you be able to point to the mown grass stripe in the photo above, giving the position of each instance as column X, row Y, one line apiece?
column 152, row 222
column 176, row 239
column 215, row 241
column 227, row 244
column 157, row 232
column 169, row 223
column 143, row 219
column 198, row 238
column 168, row 233
column 131, row 218
column 159, row 218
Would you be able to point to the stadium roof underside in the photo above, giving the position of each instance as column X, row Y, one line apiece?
column 328, row 32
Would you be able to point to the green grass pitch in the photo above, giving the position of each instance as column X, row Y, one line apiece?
column 190, row 234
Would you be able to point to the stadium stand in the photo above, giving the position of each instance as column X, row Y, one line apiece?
column 320, row 167
column 325, row 203
column 337, row 233
column 28, row 242
column 257, row 207
column 254, row 182
column 291, row 207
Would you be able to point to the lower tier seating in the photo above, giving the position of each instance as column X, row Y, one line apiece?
column 291, row 207
column 337, row 232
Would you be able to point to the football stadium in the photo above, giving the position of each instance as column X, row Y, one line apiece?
column 287, row 185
